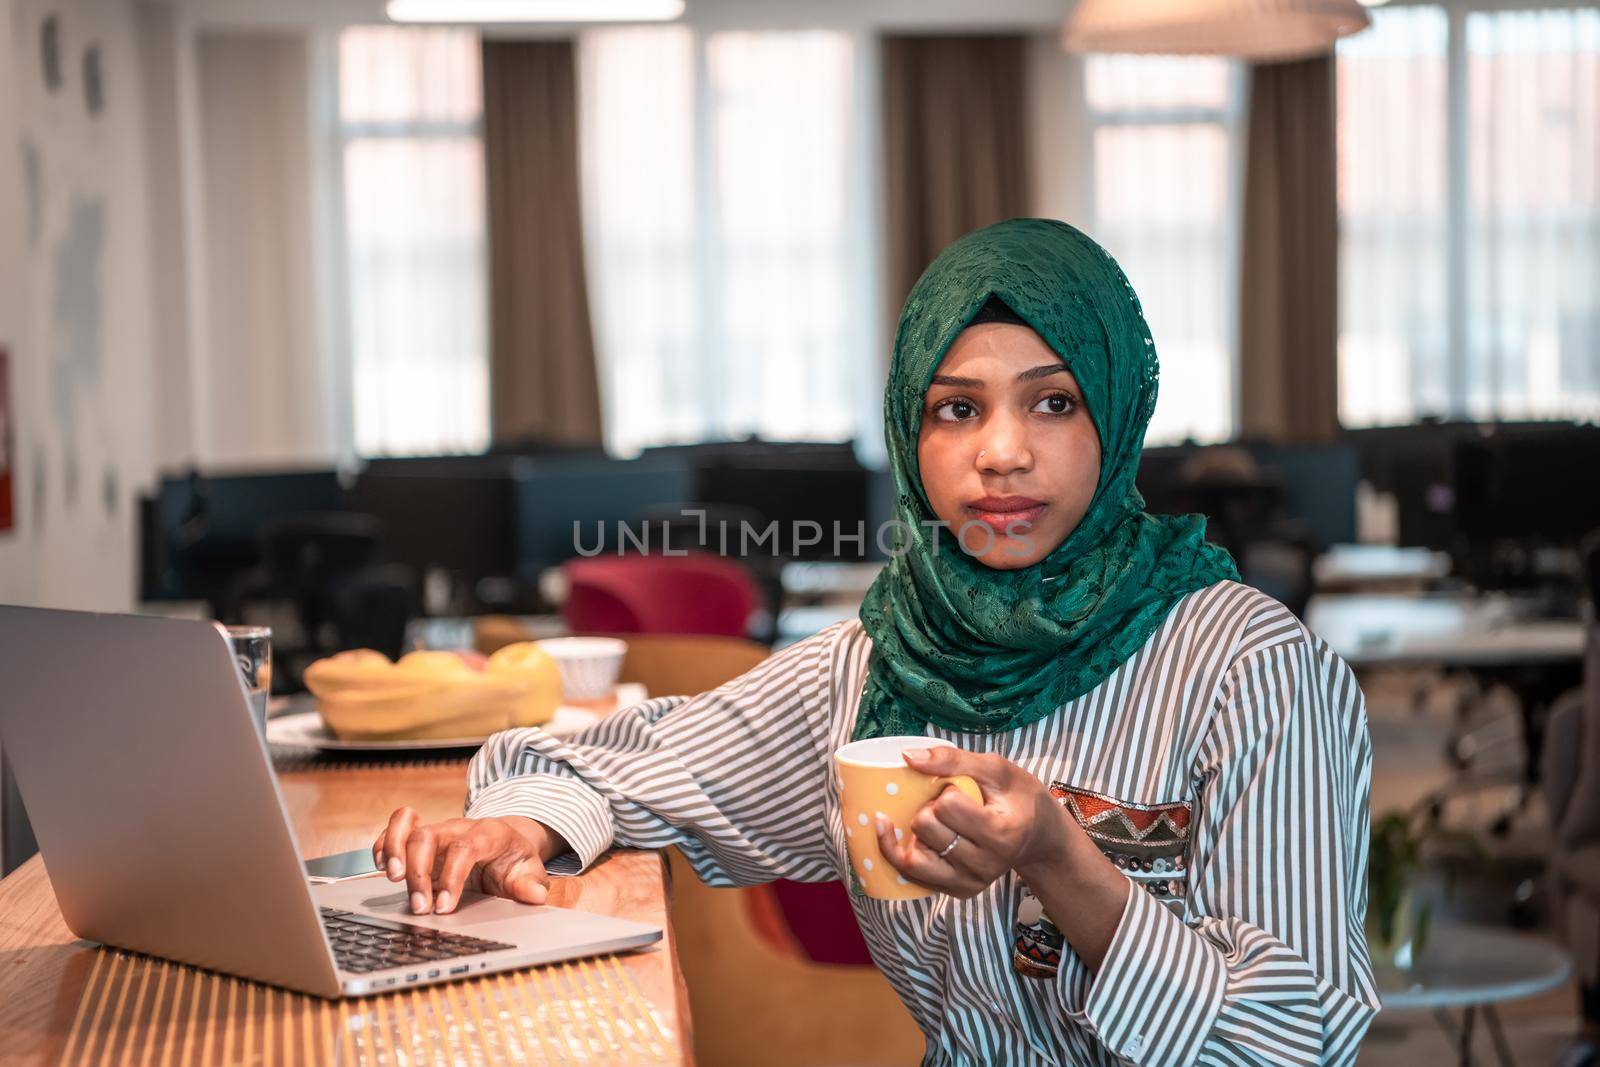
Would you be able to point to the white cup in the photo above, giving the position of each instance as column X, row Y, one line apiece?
column 589, row 665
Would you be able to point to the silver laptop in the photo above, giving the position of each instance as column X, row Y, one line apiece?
column 156, row 809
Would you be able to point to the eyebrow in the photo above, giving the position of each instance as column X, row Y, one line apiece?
column 1029, row 375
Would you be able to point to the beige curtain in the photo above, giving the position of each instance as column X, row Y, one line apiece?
column 955, row 126
column 542, row 366
column 1289, row 262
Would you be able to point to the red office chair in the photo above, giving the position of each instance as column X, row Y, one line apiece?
column 697, row 593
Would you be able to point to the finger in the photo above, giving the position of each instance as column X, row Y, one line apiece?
column 960, row 815
column 393, row 849
column 421, row 848
column 529, row 881
column 935, row 836
column 913, row 859
column 889, row 835
column 518, row 876
column 390, row 850
column 456, row 861
column 988, row 771
column 889, row 838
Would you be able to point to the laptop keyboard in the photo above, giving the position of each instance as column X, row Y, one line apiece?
column 363, row 943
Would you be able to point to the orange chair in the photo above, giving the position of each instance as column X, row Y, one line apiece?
column 665, row 664
column 755, row 997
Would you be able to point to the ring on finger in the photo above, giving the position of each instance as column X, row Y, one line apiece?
column 954, row 841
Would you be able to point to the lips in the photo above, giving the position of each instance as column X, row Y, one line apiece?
column 999, row 512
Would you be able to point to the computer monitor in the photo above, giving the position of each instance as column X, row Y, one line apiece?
column 1319, row 486
column 203, row 531
column 794, row 491
column 463, row 520
column 596, row 493
column 1413, row 464
column 1539, row 491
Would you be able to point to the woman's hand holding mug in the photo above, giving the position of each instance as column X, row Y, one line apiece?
column 1017, row 825
column 960, row 844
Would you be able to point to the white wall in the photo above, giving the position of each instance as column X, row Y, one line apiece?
column 74, row 306
column 267, row 396
column 241, row 376
column 177, row 277
column 1058, row 145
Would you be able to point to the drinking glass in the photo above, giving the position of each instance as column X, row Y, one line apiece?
column 252, row 651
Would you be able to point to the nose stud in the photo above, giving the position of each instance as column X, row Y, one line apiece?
column 982, row 452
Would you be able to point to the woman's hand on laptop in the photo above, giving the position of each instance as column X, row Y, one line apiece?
column 502, row 856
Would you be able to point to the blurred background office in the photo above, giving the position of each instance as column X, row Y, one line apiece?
column 338, row 317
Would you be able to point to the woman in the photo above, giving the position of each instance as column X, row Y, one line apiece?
column 1169, row 862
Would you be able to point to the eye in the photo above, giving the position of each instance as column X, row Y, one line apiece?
column 1056, row 404
column 954, row 409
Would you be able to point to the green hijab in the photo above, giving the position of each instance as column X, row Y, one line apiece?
column 978, row 650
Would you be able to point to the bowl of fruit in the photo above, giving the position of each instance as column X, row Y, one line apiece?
column 363, row 695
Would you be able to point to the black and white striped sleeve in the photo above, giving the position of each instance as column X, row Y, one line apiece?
column 1269, row 963
column 736, row 776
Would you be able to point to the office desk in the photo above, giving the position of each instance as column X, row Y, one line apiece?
column 1484, row 636
column 1401, row 630
column 829, row 581
column 1377, row 568
column 68, row 1001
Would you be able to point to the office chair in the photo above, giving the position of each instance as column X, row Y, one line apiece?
column 324, row 564
column 1571, row 778
column 696, row 593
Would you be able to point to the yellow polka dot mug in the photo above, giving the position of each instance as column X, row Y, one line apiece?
column 874, row 778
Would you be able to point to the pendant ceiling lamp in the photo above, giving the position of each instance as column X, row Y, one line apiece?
column 1250, row 29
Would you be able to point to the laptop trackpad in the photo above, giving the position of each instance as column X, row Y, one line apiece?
column 474, row 908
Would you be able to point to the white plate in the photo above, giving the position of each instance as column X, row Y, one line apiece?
column 305, row 729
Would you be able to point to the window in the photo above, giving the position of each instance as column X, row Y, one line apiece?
column 1164, row 136
column 1533, row 250
column 410, row 151
column 1470, row 217
column 1392, row 218
column 725, row 234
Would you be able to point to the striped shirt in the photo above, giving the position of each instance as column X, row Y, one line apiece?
column 1224, row 769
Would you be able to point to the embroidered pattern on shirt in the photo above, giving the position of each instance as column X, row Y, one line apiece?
column 1147, row 842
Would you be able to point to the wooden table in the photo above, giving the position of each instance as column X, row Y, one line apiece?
column 68, row 1001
